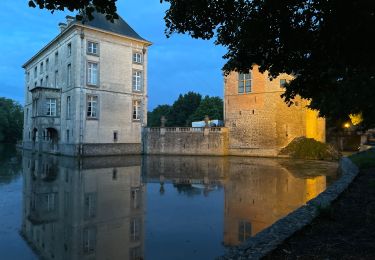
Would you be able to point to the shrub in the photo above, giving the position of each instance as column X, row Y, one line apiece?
column 309, row 148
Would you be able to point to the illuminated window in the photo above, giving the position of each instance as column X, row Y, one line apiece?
column 244, row 83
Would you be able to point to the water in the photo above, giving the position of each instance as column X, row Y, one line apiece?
column 151, row 207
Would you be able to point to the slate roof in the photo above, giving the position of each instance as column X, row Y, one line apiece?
column 119, row 26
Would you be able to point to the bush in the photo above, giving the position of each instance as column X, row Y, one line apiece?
column 309, row 148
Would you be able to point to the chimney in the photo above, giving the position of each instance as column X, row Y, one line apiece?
column 69, row 19
column 62, row 26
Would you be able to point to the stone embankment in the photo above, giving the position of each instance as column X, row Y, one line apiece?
column 270, row 238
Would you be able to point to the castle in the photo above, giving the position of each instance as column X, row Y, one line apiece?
column 86, row 95
column 86, row 90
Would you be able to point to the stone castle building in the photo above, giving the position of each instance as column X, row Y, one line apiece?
column 86, row 90
column 258, row 120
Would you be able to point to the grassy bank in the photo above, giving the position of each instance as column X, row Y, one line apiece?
column 364, row 160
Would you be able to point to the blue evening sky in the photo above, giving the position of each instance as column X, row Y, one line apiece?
column 176, row 65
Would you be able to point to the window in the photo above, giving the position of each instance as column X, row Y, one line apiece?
column 47, row 64
column 41, row 82
column 92, row 73
column 41, row 68
column 90, row 205
column 244, row 83
column 56, row 78
column 135, row 229
column 69, row 49
column 137, row 80
column 69, row 75
column 47, row 81
column 137, row 57
column 244, row 230
column 282, row 82
column 67, row 135
column 28, row 77
column 35, row 71
column 51, row 107
column 136, row 109
column 135, row 198
column 92, row 106
column 89, row 240
column 115, row 136
column 92, row 48
column 56, row 58
column 68, row 107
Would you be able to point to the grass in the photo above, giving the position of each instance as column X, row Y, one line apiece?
column 364, row 160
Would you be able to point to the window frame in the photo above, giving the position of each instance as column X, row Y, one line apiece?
column 92, row 49
column 134, row 80
column 68, row 107
column 69, row 49
column 135, row 55
column 51, row 110
column 88, row 105
column 243, row 79
column 136, row 110
column 69, row 75
column 88, row 76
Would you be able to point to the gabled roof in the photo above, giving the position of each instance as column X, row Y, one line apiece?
column 119, row 26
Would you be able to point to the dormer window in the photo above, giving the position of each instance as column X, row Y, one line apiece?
column 93, row 48
column 137, row 57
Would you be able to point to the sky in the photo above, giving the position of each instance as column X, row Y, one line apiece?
column 176, row 65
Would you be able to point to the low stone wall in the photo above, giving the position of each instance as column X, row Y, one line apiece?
column 186, row 140
column 267, row 240
column 111, row 149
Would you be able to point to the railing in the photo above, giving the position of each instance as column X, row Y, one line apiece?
column 183, row 129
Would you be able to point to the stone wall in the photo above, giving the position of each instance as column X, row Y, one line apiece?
column 186, row 141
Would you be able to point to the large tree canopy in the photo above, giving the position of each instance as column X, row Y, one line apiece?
column 328, row 45
column 84, row 7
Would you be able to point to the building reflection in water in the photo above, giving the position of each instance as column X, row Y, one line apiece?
column 78, row 209
column 260, row 192
column 95, row 207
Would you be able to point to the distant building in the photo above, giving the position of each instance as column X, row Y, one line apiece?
column 259, row 121
column 86, row 90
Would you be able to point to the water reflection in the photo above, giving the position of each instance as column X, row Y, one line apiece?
column 96, row 207
column 83, row 209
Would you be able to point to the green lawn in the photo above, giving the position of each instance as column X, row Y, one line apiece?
column 364, row 160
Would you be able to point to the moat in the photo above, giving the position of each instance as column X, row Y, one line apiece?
column 150, row 207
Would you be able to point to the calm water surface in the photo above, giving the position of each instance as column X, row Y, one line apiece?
column 151, row 207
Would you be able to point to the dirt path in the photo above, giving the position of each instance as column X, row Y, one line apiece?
column 346, row 230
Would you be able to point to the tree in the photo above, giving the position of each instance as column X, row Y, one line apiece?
column 183, row 108
column 84, row 7
column 210, row 106
column 11, row 121
column 328, row 46
column 154, row 117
